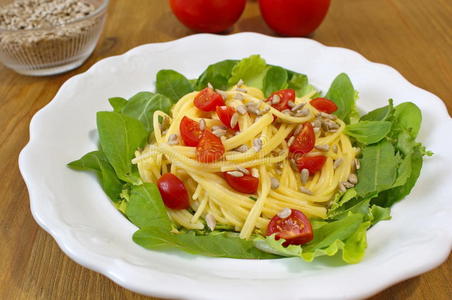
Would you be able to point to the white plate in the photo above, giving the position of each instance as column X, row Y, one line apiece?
column 72, row 207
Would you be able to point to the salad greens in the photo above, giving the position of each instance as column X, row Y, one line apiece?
column 390, row 163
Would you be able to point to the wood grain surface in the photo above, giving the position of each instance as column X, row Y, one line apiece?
column 413, row 36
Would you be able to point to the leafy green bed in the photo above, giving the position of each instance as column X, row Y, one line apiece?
column 390, row 161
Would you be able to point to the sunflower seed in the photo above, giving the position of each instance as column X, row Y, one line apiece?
column 298, row 107
column 337, row 163
column 274, row 183
column 241, row 109
column 238, row 96
column 305, row 190
column 342, row 187
column 348, row 185
column 291, row 104
column 202, row 124
column 304, row 175
column 302, row 113
column 234, row 120
column 257, row 144
column 275, row 99
column 284, row 213
column 316, row 130
column 334, row 148
column 266, row 109
column 223, row 94
column 209, row 85
column 235, row 173
column 219, row 132
column 240, row 83
column 357, row 164
column 255, row 172
column 216, row 127
column 298, row 129
column 316, row 123
column 293, row 164
column 331, row 124
column 327, row 116
column 286, row 111
column 210, row 221
column 241, row 90
column 323, row 148
column 243, row 170
column 242, row 148
column 172, row 139
column 290, row 141
column 352, row 178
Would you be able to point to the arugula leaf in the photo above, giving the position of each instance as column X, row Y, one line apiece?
column 251, row 70
column 407, row 116
column 378, row 168
column 172, row 85
column 117, row 103
column 368, row 132
column 217, row 74
column 215, row 244
column 146, row 208
column 143, row 105
column 342, row 93
column 274, row 80
column 97, row 162
column 380, row 114
column 120, row 136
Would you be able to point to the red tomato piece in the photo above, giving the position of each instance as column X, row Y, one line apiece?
column 208, row 100
column 246, row 184
column 304, row 141
column 210, row 148
column 323, row 104
column 295, row 229
column 294, row 17
column 190, row 131
column 312, row 163
column 173, row 191
column 284, row 97
column 225, row 114
column 207, row 15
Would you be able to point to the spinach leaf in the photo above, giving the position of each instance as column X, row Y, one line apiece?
column 274, row 80
column 172, row 85
column 368, row 132
column 407, row 116
column 117, row 103
column 143, row 105
column 342, row 93
column 380, row 114
column 378, row 169
column 146, row 208
column 120, row 136
column 215, row 244
column 251, row 70
column 216, row 74
column 97, row 162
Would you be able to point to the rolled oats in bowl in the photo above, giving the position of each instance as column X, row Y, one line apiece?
column 45, row 37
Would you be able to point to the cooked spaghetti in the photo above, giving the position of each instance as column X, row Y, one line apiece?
column 261, row 148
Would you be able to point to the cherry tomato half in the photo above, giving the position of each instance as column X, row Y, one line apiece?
column 294, row 17
column 190, row 131
column 323, row 104
column 312, row 163
column 246, row 184
column 304, row 141
column 210, row 148
column 295, row 229
column 173, row 191
column 284, row 97
column 208, row 15
column 208, row 100
column 225, row 114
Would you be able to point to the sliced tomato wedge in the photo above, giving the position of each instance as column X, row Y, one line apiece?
column 295, row 229
column 173, row 191
column 225, row 114
column 312, row 163
column 246, row 184
column 210, row 148
column 190, row 131
column 324, row 105
column 284, row 97
column 304, row 141
column 208, row 100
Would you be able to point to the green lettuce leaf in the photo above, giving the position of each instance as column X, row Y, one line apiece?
column 251, row 70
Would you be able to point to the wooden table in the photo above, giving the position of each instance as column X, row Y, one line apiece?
column 413, row 36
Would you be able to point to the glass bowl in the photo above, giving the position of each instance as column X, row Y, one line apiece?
column 53, row 49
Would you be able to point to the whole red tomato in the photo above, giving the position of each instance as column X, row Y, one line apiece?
column 208, row 15
column 294, row 17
